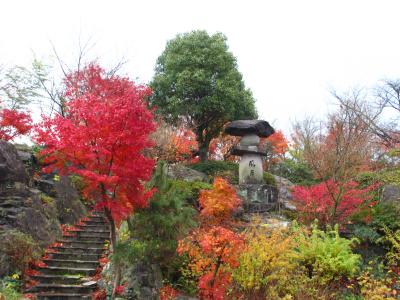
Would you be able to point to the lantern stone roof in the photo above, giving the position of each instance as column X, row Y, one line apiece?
column 245, row 127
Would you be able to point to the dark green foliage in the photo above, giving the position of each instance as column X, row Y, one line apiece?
column 365, row 233
column 386, row 215
column 128, row 252
column 386, row 176
column 269, row 179
column 19, row 249
column 295, row 171
column 167, row 219
column 190, row 189
column 196, row 79
column 213, row 167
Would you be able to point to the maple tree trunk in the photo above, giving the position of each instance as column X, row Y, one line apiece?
column 113, row 238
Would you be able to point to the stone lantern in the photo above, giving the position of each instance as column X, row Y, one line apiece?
column 257, row 196
column 250, row 166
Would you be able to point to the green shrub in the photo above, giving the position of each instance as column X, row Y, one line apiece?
column 10, row 288
column 365, row 233
column 269, row 179
column 190, row 190
column 326, row 255
column 20, row 249
column 166, row 220
column 297, row 172
column 386, row 215
column 386, row 176
column 213, row 167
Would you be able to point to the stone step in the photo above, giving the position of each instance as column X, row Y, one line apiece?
column 77, row 256
column 94, row 227
column 85, row 238
column 60, row 279
column 67, row 271
column 95, row 222
column 7, row 211
column 63, row 288
column 97, row 218
column 63, row 296
column 11, row 203
column 82, row 244
column 79, row 250
column 87, row 233
column 70, row 263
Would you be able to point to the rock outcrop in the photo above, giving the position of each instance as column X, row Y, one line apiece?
column 181, row 172
column 285, row 195
column 33, row 205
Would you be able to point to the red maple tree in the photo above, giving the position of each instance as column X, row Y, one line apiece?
column 276, row 145
column 213, row 249
column 13, row 123
column 101, row 139
column 331, row 202
column 219, row 203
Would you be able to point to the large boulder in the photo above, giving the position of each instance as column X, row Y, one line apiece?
column 68, row 201
column 181, row 172
column 11, row 166
column 391, row 193
column 285, row 193
column 144, row 282
column 244, row 127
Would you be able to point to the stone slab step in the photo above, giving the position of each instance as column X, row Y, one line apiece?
column 75, row 256
column 82, row 244
column 60, row 279
column 69, row 263
column 94, row 227
column 95, row 222
column 92, row 238
column 78, row 250
column 63, row 296
column 86, row 233
column 63, row 288
column 67, row 271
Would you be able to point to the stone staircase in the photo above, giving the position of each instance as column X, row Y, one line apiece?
column 67, row 271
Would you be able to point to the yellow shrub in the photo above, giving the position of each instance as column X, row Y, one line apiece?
column 267, row 264
column 373, row 288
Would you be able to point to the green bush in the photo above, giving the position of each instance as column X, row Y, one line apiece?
column 386, row 215
column 269, row 179
column 297, row 172
column 190, row 189
column 20, row 249
column 386, row 176
column 167, row 219
column 10, row 289
column 213, row 167
column 326, row 255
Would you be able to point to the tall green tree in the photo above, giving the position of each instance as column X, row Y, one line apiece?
column 197, row 81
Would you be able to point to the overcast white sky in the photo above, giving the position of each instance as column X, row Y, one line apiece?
column 289, row 52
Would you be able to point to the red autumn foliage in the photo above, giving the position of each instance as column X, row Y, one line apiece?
column 31, row 272
column 99, row 295
column 276, row 145
column 214, row 251
column 13, row 124
column 119, row 289
column 219, row 203
column 330, row 202
column 101, row 139
column 220, row 147
column 167, row 292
